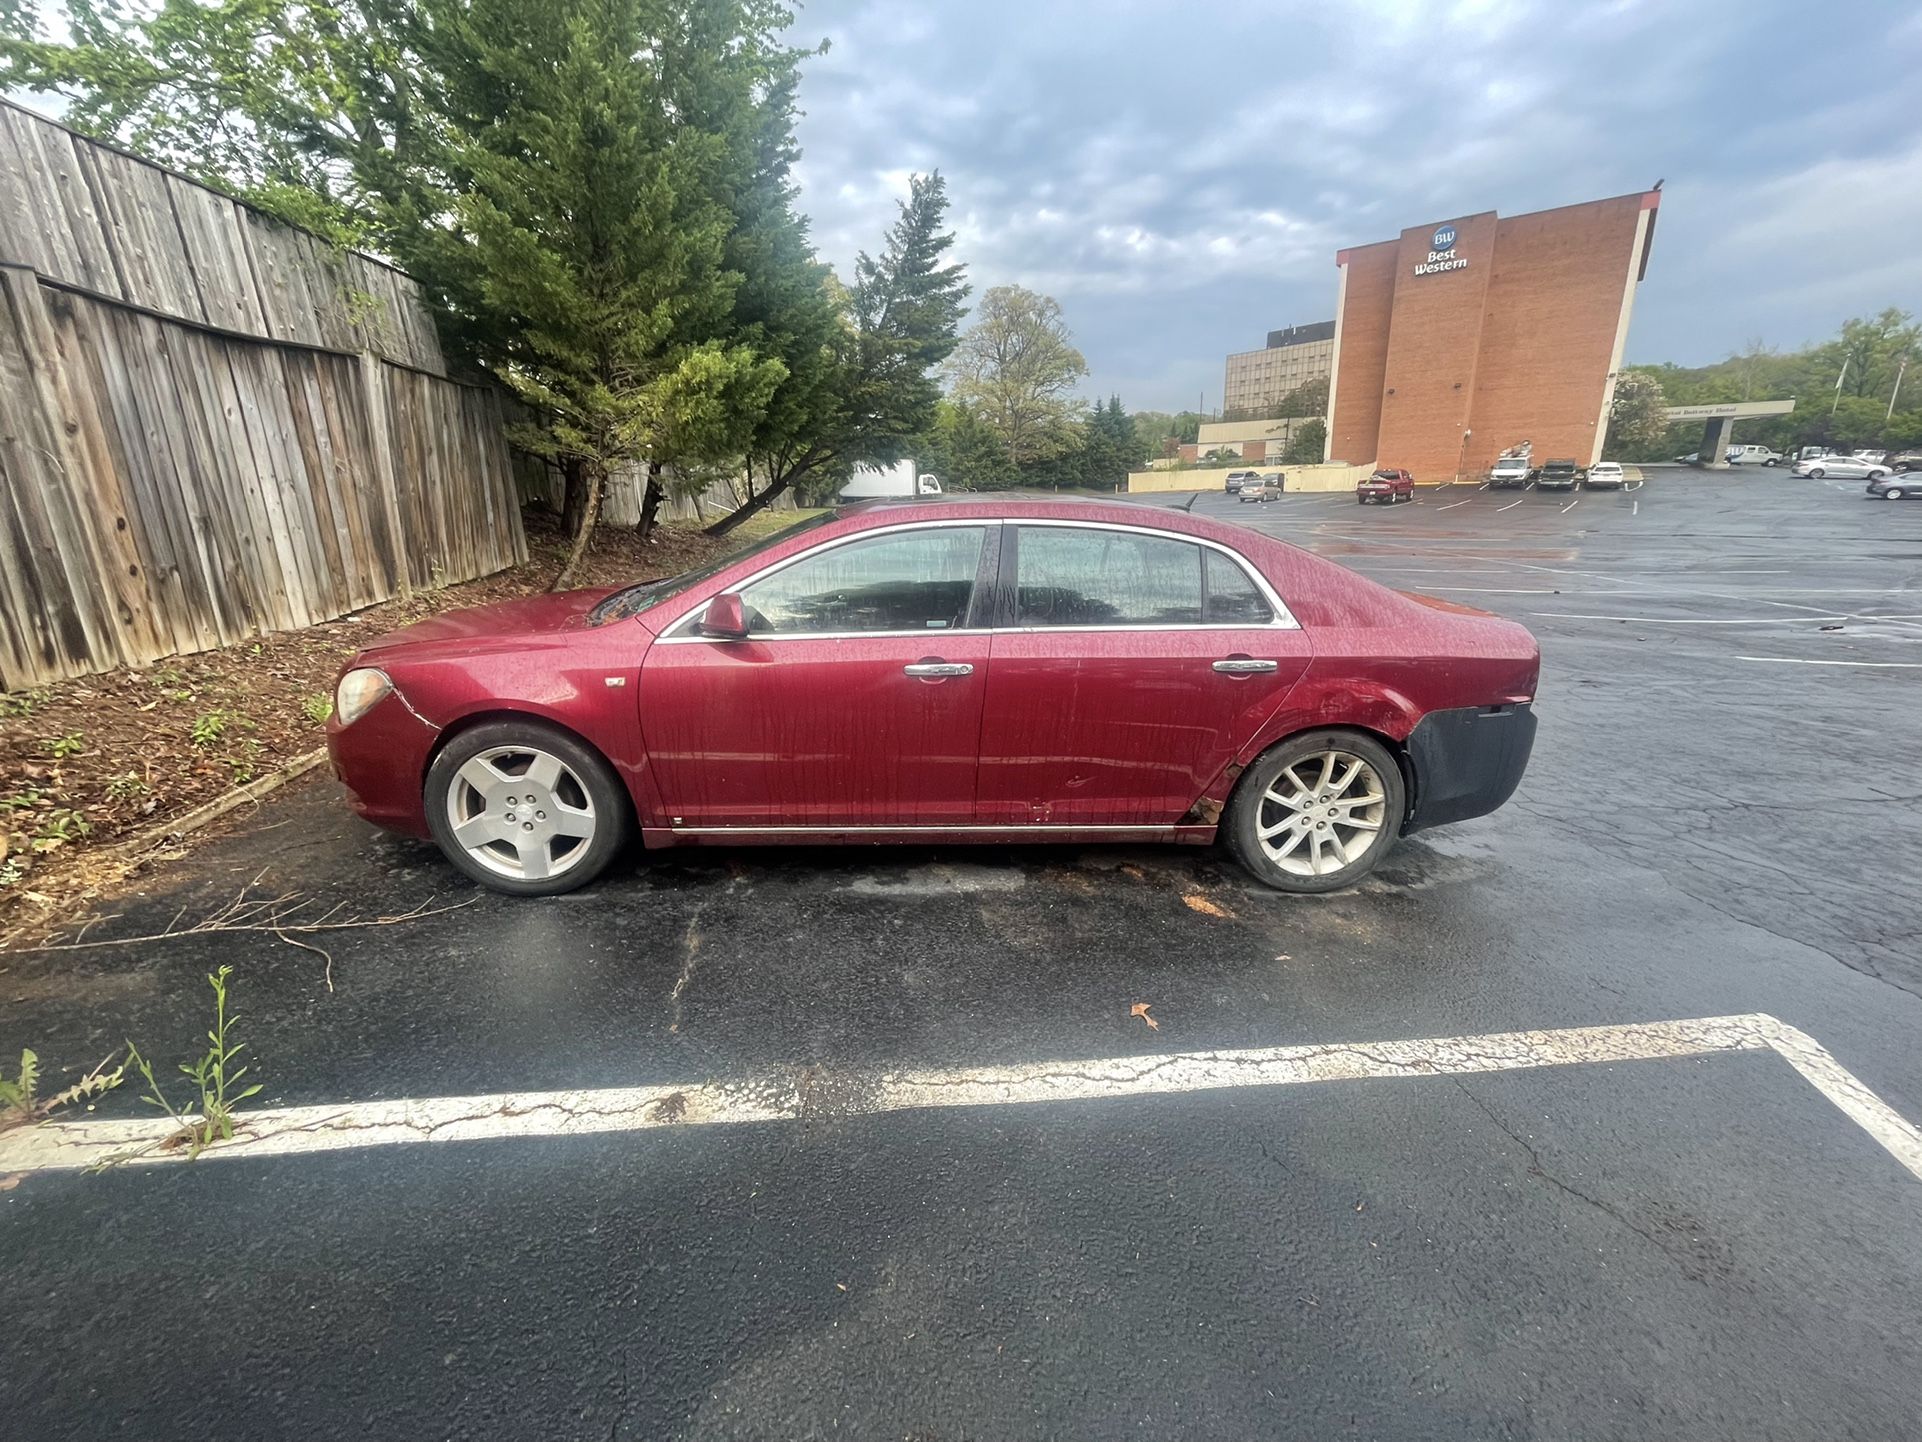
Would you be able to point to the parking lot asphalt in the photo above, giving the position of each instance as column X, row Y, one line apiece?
column 1722, row 818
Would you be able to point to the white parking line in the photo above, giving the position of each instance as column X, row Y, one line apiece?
column 1635, row 508
column 295, row 1131
column 1801, row 661
column 1452, row 504
column 1571, row 505
column 1691, row 621
column 1510, row 506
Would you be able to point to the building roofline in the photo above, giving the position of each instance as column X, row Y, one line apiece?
column 1651, row 200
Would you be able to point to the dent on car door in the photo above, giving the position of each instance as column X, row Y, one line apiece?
column 1133, row 668
column 854, row 701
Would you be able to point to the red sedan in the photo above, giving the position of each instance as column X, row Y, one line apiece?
column 965, row 670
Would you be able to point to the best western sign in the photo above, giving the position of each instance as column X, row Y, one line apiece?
column 1441, row 255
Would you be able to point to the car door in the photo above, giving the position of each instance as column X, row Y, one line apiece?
column 1131, row 667
column 854, row 701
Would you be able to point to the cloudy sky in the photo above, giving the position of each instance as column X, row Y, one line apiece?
column 1179, row 174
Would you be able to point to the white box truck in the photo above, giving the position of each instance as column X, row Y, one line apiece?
column 902, row 479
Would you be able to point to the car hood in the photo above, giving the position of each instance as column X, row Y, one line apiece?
column 528, row 616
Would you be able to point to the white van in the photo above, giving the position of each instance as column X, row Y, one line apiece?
column 1753, row 455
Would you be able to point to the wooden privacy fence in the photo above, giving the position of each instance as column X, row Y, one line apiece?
column 189, row 454
column 164, row 488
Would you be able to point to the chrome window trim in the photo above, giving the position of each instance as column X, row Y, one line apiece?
column 1284, row 619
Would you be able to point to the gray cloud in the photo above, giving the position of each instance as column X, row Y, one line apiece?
column 1180, row 176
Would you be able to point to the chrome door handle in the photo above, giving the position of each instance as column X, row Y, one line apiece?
column 938, row 668
column 1245, row 666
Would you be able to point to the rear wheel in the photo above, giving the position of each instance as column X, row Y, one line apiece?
column 1817, row 473
column 1316, row 812
column 524, row 808
column 1893, row 493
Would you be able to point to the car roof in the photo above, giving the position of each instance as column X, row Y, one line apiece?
column 1012, row 506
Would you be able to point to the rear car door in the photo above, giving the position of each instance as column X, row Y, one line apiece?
column 1129, row 668
column 854, row 701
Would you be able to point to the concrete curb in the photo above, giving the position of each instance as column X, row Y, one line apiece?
column 218, row 807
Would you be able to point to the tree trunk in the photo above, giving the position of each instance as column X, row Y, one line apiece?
column 594, row 471
column 573, row 495
column 651, row 500
column 754, row 507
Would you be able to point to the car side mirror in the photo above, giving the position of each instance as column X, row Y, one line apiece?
column 725, row 618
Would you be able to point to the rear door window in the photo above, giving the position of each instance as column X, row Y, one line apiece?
column 1232, row 597
column 1072, row 577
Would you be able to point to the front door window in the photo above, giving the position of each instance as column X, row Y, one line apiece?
column 917, row 581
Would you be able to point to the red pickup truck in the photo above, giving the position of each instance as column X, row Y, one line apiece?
column 1388, row 485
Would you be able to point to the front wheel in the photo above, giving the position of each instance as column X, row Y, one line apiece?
column 1817, row 474
column 524, row 808
column 1893, row 493
column 1316, row 812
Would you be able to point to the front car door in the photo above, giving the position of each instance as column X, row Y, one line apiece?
column 1133, row 666
column 855, row 700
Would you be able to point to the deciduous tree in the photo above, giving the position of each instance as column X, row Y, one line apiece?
column 1016, row 368
column 1638, row 415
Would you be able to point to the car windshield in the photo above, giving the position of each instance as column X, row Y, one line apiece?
column 1384, row 475
column 639, row 597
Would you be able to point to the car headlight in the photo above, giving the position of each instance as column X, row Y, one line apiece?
column 359, row 689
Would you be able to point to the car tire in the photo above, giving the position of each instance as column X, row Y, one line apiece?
column 1817, row 474
column 1893, row 493
column 487, row 778
column 1264, row 801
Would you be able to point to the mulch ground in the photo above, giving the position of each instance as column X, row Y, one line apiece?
column 99, row 760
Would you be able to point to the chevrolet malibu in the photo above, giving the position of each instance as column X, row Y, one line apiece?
column 1000, row 671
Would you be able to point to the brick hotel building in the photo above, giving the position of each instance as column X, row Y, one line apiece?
column 1463, row 337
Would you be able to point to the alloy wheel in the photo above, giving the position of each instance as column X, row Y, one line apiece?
column 520, row 812
column 1321, row 813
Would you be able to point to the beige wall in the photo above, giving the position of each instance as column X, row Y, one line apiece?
column 1258, row 379
column 1228, row 433
column 1323, row 477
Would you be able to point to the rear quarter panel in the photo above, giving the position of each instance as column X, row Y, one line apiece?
column 1381, row 659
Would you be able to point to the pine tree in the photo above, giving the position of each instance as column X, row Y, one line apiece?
column 860, row 392
column 587, row 238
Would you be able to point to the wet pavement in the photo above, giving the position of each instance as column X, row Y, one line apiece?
column 1713, row 824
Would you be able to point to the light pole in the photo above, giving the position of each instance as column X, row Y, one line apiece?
column 1895, row 390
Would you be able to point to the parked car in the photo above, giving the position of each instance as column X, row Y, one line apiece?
column 1508, row 471
column 1753, row 456
column 1237, row 479
column 1894, row 488
column 1267, row 486
column 996, row 670
column 1846, row 468
column 1603, row 475
column 1903, row 462
column 1558, row 475
column 1388, row 484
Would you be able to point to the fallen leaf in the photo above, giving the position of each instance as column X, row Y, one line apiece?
column 1360, row 1205
column 1140, row 1009
column 1284, row 957
column 840, row 1286
column 1196, row 902
column 10, row 1181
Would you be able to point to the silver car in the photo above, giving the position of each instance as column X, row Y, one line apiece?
column 1845, row 468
